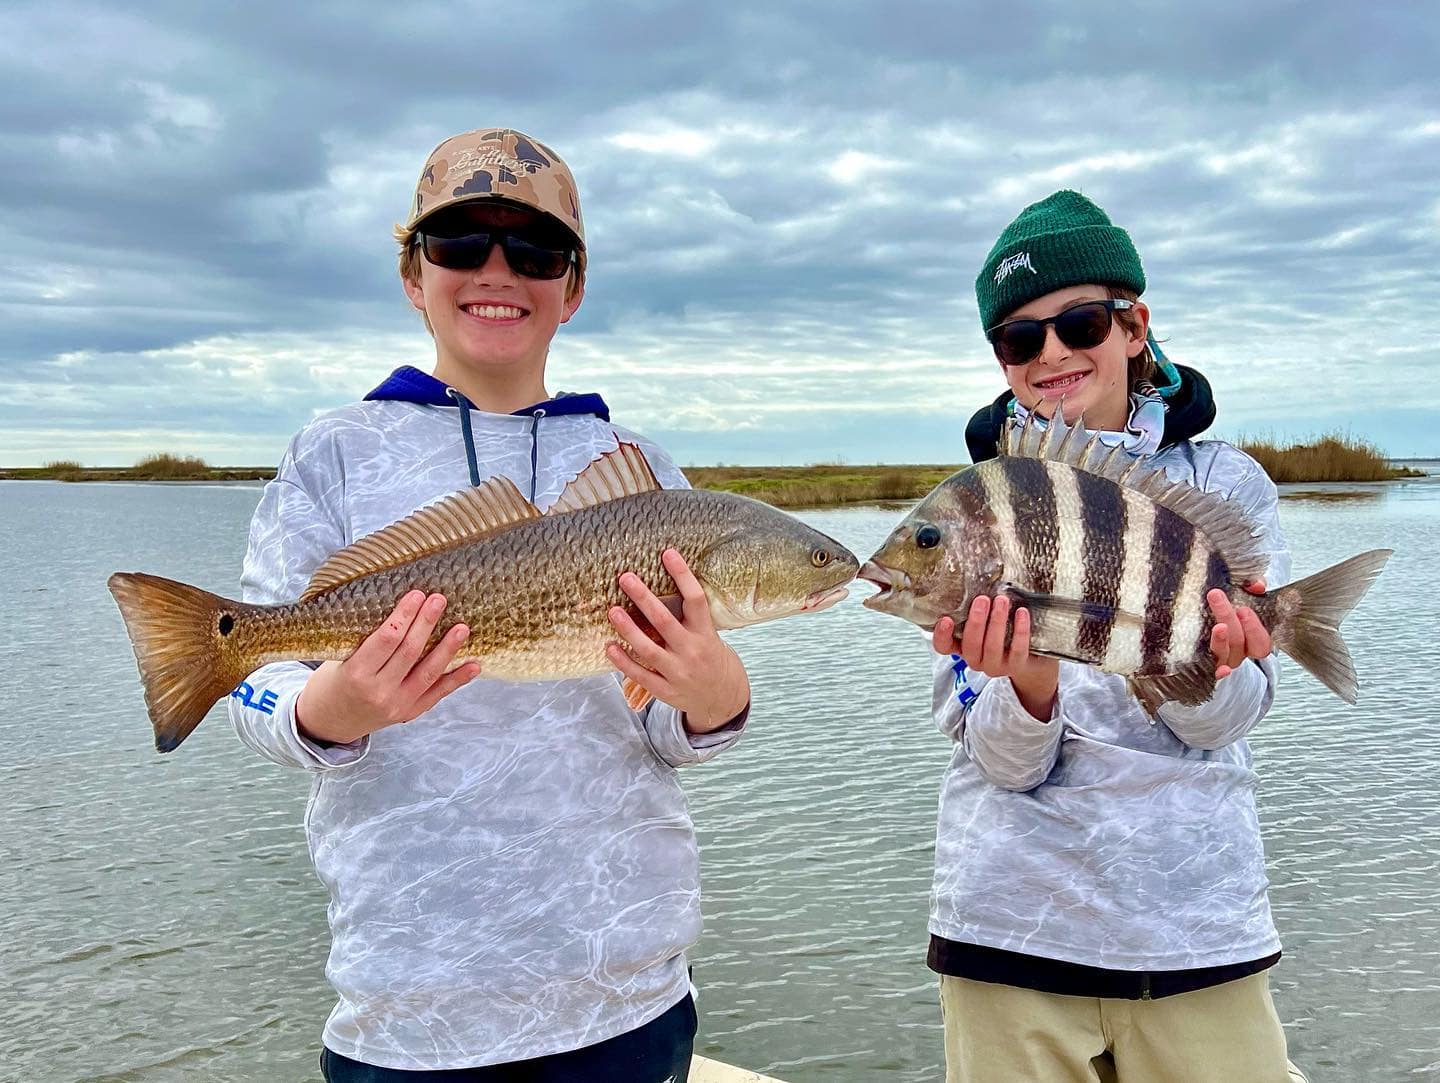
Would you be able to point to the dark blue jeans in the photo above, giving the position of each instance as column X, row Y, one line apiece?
column 658, row 1052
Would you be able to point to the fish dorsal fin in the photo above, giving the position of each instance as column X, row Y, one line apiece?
column 462, row 517
column 1218, row 519
column 622, row 472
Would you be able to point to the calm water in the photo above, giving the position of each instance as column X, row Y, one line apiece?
column 159, row 920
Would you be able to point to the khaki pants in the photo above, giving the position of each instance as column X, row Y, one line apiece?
column 1225, row 1034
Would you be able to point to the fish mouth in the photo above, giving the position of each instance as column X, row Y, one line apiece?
column 891, row 582
column 817, row 600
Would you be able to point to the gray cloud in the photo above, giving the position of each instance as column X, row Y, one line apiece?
column 786, row 207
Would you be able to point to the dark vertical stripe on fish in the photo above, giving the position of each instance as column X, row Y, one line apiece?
column 1170, row 545
column 1103, row 507
column 1032, row 500
column 1217, row 575
column 1123, row 654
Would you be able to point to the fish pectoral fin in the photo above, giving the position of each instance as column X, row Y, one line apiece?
column 1190, row 685
column 622, row 472
column 635, row 694
column 1061, row 656
column 493, row 505
column 1096, row 612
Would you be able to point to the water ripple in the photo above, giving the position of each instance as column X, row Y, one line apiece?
column 161, row 922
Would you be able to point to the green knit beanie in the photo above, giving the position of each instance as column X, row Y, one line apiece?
column 1064, row 240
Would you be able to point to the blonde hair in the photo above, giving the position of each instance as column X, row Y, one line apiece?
column 410, row 257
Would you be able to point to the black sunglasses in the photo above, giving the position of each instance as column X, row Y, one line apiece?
column 532, row 254
column 1080, row 327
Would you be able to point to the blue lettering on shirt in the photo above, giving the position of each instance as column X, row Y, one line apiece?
column 246, row 695
column 963, row 692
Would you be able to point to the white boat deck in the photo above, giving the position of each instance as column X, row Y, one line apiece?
column 712, row 1071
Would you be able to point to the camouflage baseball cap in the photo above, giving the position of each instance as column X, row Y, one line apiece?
column 497, row 163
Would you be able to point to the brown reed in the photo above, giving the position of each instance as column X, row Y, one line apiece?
column 1332, row 457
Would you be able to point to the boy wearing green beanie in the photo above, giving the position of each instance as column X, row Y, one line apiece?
column 1099, row 909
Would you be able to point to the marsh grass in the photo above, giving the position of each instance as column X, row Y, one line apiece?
column 64, row 470
column 822, row 485
column 160, row 467
column 171, row 468
column 1332, row 457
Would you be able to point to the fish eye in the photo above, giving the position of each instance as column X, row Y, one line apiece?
column 820, row 557
column 928, row 536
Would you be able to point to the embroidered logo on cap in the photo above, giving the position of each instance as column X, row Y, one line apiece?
column 1011, row 264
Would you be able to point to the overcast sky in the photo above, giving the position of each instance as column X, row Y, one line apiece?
column 786, row 204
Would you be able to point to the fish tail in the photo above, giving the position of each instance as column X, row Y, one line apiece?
column 1310, row 611
column 185, row 647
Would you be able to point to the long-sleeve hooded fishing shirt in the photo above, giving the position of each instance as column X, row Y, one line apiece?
column 1098, row 837
column 514, row 873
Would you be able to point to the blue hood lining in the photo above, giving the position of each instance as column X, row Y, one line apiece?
column 409, row 384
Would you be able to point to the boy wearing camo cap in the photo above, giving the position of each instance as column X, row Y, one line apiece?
column 513, row 878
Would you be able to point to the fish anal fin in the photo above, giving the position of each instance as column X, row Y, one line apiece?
column 1150, row 697
column 635, row 694
column 466, row 516
column 1189, row 685
column 622, row 472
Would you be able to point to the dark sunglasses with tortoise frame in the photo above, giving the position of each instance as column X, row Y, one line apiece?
column 1081, row 326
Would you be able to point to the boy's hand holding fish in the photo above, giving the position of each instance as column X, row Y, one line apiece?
column 690, row 666
column 390, row 678
column 982, row 644
column 1237, row 635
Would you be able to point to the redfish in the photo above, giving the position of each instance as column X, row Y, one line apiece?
column 534, row 589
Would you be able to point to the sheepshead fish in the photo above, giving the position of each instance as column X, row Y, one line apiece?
column 1113, row 560
column 534, row 589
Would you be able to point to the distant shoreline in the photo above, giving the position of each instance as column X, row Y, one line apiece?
column 824, row 485
column 780, row 486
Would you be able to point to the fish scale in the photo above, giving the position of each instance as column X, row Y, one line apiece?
column 524, row 608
